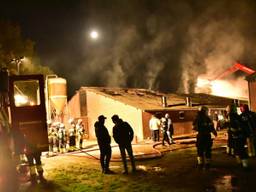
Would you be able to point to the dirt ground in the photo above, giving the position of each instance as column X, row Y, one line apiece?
column 175, row 171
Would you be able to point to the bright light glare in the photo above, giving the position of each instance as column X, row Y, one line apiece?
column 230, row 89
column 25, row 60
column 94, row 35
column 20, row 99
column 233, row 88
column 236, row 88
column 202, row 82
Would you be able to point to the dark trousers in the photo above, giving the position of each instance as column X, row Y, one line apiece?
column 35, row 164
column 239, row 148
column 72, row 141
column 165, row 138
column 204, row 146
column 34, row 158
column 61, row 143
column 155, row 135
column 105, row 156
column 128, row 148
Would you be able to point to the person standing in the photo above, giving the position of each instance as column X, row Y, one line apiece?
column 72, row 135
column 249, row 124
column 170, row 129
column 123, row 136
column 215, row 120
column 204, row 127
column 51, row 138
column 238, row 135
column 33, row 155
column 104, row 140
column 164, row 128
column 154, row 125
column 80, row 133
column 62, row 138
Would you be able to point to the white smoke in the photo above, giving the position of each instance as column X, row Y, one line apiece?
column 214, row 45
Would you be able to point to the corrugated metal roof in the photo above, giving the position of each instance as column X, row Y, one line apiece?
column 149, row 100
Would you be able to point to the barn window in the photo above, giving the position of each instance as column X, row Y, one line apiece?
column 181, row 115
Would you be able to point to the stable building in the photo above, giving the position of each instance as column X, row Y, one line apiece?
column 136, row 106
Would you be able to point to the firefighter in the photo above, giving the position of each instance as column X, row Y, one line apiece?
column 34, row 161
column 52, row 137
column 62, row 138
column 72, row 135
column 204, row 127
column 249, row 124
column 55, row 129
column 238, row 135
column 80, row 133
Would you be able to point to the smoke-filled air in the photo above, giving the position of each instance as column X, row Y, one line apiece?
column 163, row 45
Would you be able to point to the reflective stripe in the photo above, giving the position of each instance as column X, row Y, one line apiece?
column 199, row 160
column 245, row 163
column 238, row 159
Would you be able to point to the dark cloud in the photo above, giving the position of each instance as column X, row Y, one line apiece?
column 160, row 45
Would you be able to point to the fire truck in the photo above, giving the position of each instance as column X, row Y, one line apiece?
column 27, row 102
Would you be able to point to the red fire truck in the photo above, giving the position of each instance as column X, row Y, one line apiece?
column 22, row 122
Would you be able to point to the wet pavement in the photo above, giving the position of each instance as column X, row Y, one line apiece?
column 144, row 150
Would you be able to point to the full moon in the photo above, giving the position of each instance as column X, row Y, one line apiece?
column 94, row 35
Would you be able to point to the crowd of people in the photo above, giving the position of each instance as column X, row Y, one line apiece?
column 62, row 140
column 162, row 125
column 241, row 130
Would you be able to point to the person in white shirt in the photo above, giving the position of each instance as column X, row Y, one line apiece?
column 154, row 125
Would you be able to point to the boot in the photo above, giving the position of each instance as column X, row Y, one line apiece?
column 207, row 163
column 33, row 180
column 41, row 177
column 238, row 160
column 245, row 163
column 32, row 170
column 200, row 162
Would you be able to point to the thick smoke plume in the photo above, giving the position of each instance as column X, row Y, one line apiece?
column 162, row 45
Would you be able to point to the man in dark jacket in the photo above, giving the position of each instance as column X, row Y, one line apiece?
column 238, row 135
column 248, row 119
column 204, row 127
column 104, row 141
column 123, row 135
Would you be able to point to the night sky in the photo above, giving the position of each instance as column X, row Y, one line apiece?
column 160, row 45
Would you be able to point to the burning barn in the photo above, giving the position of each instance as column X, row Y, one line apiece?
column 136, row 106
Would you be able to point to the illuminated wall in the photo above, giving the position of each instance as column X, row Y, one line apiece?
column 98, row 104
column 252, row 95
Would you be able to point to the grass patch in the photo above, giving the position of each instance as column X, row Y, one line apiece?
column 174, row 172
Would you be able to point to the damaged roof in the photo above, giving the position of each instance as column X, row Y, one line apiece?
column 149, row 100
